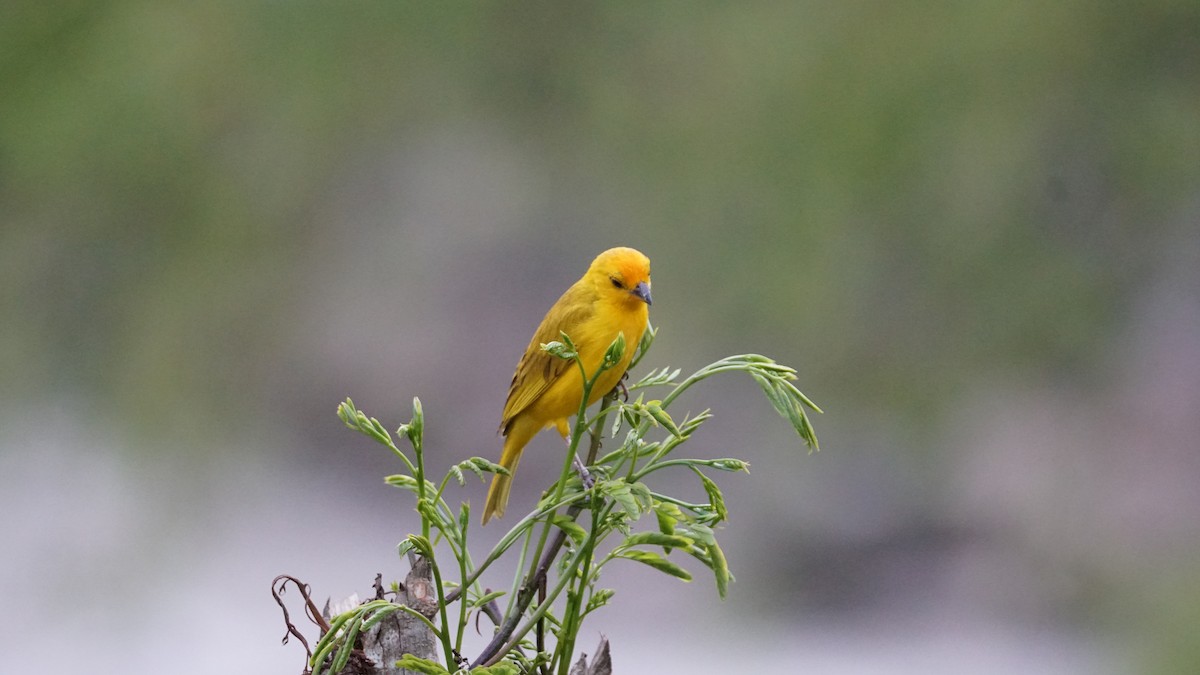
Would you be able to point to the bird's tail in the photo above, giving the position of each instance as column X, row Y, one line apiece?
column 497, row 499
column 514, row 444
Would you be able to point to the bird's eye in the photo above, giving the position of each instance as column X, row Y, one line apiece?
column 616, row 282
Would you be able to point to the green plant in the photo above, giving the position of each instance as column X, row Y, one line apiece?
column 557, row 536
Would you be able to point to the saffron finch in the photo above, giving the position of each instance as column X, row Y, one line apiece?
column 612, row 297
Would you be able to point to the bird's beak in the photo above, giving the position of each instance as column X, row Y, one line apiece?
column 642, row 290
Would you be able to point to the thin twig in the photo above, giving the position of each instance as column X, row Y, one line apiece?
column 278, row 587
column 541, row 627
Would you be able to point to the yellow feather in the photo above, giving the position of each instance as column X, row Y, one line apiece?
column 612, row 297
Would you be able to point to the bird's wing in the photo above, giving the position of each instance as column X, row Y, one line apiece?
column 537, row 369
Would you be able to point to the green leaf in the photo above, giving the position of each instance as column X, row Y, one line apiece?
column 421, row 544
column 663, row 417
column 697, row 531
column 572, row 529
column 473, row 466
column 612, row 355
column 781, row 399
column 691, row 423
column 657, row 539
column 657, row 562
column 630, row 444
column 599, row 599
column 346, row 412
column 645, row 449
column 629, row 414
column 429, row 511
column 668, row 510
column 479, row 464
column 621, row 492
column 343, row 653
column 401, row 480
column 420, row 665
column 379, row 615
column 799, row 395
column 619, row 521
column 808, row 434
column 728, row 464
column 476, row 465
column 486, row 598
column 407, row 482
column 654, row 378
column 378, row 430
column 720, row 568
column 563, row 350
column 330, row 639
column 502, row 668
column 404, row 547
column 660, row 416
column 357, row 420
column 706, row 514
column 616, row 425
column 643, row 495
column 417, row 425
column 715, row 498
column 778, row 402
column 666, row 523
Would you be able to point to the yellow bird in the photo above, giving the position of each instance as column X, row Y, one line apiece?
column 612, row 297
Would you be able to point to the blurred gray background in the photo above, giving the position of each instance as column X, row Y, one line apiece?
column 972, row 227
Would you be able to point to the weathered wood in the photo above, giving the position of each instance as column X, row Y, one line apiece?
column 601, row 663
column 402, row 633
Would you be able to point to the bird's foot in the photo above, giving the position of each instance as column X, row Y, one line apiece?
column 585, row 476
column 621, row 389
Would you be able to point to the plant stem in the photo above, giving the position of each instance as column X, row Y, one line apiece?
column 417, row 449
column 463, row 559
column 563, row 476
column 573, row 614
column 525, row 595
column 540, row 612
column 509, row 539
column 444, row 633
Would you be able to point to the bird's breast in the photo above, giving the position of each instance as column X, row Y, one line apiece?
column 592, row 338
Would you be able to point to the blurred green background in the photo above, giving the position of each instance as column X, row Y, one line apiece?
column 972, row 227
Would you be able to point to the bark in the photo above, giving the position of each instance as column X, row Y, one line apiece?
column 402, row 633
column 397, row 634
column 601, row 664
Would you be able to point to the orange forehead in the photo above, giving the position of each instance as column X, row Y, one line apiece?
column 629, row 264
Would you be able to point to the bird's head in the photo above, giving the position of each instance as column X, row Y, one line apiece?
column 622, row 273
